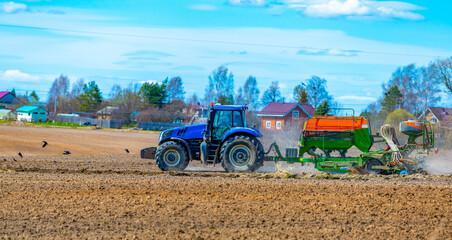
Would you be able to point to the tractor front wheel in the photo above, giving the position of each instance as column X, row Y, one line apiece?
column 171, row 156
column 241, row 154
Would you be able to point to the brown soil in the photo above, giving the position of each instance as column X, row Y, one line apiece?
column 122, row 196
column 28, row 141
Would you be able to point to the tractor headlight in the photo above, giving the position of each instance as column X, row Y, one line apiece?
column 166, row 134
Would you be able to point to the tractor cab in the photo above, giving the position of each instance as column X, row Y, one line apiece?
column 221, row 119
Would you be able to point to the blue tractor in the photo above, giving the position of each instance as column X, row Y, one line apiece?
column 225, row 140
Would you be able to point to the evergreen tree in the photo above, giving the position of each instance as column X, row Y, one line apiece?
column 391, row 100
column 300, row 95
column 323, row 109
column 35, row 96
column 154, row 93
column 91, row 97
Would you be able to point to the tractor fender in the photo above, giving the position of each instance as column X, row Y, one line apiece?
column 181, row 141
column 241, row 131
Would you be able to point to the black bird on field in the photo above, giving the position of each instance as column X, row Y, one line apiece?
column 14, row 160
column 66, row 152
column 127, row 150
column 45, row 144
column 4, row 159
column 20, row 154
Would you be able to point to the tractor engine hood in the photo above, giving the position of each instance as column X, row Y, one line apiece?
column 188, row 132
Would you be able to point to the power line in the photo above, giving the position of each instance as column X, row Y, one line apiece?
column 207, row 41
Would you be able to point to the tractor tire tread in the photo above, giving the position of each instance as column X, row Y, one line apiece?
column 259, row 152
column 160, row 162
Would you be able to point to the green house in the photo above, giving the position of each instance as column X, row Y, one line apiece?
column 31, row 114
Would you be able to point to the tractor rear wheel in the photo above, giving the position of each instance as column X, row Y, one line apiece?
column 171, row 156
column 373, row 162
column 242, row 154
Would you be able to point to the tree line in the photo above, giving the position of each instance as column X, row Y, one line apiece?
column 165, row 101
column 410, row 87
column 413, row 89
column 220, row 89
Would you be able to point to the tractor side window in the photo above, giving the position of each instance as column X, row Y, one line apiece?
column 221, row 124
column 238, row 120
column 223, row 119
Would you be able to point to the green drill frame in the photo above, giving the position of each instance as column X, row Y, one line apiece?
column 344, row 164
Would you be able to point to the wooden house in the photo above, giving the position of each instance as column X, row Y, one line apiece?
column 277, row 116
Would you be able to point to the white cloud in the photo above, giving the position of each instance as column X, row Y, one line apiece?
column 258, row 3
column 393, row 13
column 328, row 52
column 356, row 98
column 203, row 7
column 12, row 7
column 354, row 9
column 18, row 75
column 337, row 8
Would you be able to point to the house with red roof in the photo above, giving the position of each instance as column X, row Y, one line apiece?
column 277, row 115
column 437, row 115
column 6, row 97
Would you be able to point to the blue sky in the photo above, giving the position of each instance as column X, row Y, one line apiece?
column 354, row 44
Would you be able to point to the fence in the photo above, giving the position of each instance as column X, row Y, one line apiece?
column 158, row 126
column 90, row 121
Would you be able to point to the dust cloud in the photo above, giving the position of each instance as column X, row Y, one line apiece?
column 440, row 163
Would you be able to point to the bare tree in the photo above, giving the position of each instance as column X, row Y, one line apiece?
column 429, row 88
column 175, row 90
column 240, row 99
column 406, row 78
column 220, row 87
column 172, row 112
column 272, row 94
column 115, row 90
column 419, row 87
column 58, row 94
column 443, row 72
column 76, row 91
column 193, row 99
column 251, row 93
column 317, row 92
column 128, row 101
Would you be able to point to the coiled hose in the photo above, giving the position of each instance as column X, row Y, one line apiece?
column 388, row 133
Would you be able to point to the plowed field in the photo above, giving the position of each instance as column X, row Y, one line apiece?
column 118, row 195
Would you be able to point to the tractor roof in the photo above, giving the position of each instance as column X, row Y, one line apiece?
column 230, row 107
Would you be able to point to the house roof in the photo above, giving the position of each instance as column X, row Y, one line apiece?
column 5, row 110
column 309, row 109
column 281, row 109
column 3, row 93
column 28, row 108
column 441, row 113
column 107, row 110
